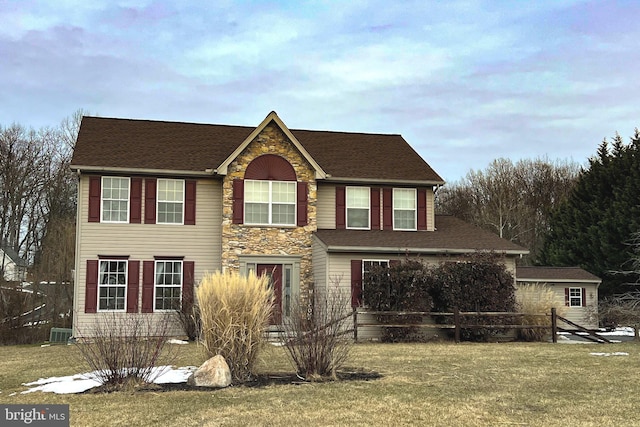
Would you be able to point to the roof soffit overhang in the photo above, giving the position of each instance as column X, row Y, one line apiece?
column 272, row 116
column 405, row 250
column 403, row 182
column 141, row 171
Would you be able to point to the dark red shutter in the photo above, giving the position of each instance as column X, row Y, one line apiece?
column 94, row 198
column 566, row 296
column 150, row 200
column 238, row 201
column 135, row 205
column 356, row 283
column 340, row 208
column 375, row 209
column 422, row 209
column 188, row 269
column 148, row 273
column 190, row 202
column 133, row 285
column 91, row 289
column 584, row 297
column 302, row 204
column 387, row 209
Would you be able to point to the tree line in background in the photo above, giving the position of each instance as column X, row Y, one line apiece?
column 37, row 220
column 566, row 215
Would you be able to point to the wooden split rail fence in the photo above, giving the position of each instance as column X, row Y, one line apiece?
column 460, row 322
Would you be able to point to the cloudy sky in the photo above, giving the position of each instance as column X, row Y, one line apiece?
column 463, row 81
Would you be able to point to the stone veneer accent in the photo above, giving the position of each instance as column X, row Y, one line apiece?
column 239, row 239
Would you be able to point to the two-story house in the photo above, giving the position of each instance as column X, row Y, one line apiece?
column 13, row 268
column 161, row 203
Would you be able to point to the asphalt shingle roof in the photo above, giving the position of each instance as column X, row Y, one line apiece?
column 554, row 274
column 451, row 234
column 175, row 146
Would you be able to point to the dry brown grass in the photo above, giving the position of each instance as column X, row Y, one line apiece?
column 535, row 384
column 234, row 313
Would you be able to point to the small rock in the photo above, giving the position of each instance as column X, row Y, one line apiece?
column 213, row 373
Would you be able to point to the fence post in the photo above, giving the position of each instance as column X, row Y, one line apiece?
column 355, row 324
column 554, row 326
column 456, row 320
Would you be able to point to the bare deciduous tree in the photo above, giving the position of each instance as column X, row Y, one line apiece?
column 513, row 200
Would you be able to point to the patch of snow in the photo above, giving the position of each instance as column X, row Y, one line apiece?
column 617, row 353
column 623, row 332
column 174, row 341
column 82, row 382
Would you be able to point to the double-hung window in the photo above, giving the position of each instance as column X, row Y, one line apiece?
column 170, row 201
column 270, row 202
column 575, row 297
column 367, row 267
column 115, row 199
column 357, row 207
column 112, row 285
column 168, row 285
column 404, row 209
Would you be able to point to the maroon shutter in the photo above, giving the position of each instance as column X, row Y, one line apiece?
column 133, row 284
column 340, row 208
column 422, row 209
column 91, row 290
column 302, row 204
column 375, row 209
column 356, row 283
column 135, row 205
column 566, row 296
column 238, row 201
column 387, row 209
column 190, row 202
column 187, row 283
column 148, row 273
column 150, row 200
column 584, row 297
column 94, row 198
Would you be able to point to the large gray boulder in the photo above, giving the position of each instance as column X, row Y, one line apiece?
column 213, row 373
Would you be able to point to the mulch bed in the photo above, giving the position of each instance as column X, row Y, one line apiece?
column 262, row 380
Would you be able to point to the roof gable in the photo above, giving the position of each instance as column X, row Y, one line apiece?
column 555, row 274
column 144, row 146
column 271, row 117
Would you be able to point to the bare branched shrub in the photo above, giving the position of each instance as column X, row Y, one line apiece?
column 125, row 350
column 235, row 312
column 621, row 310
column 189, row 315
column 535, row 300
column 315, row 333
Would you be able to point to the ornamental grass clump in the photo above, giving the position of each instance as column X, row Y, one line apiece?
column 535, row 301
column 234, row 315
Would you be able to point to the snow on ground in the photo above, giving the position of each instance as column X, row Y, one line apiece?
column 82, row 382
column 617, row 353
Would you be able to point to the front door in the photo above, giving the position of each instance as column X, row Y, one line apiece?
column 274, row 273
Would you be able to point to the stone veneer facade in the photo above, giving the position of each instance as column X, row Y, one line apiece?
column 240, row 239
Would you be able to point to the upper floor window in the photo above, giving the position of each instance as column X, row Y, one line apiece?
column 170, row 201
column 269, row 202
column 112, row 285
column 404, row 209
column 168, row 285
column 357, row 207
column 115, row 199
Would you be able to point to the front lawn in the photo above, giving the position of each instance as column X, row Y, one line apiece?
column 442, row 384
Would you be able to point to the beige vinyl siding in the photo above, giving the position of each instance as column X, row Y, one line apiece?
column 200, row 243
column 431, row 210
column 319, row 261
column 326, row 205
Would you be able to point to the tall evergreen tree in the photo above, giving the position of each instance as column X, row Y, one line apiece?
column 594, row 227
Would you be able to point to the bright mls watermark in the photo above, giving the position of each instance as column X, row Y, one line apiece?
column 34, row 415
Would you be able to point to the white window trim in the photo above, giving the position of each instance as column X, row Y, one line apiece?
column 158, row 201
column 270, row 222
column 346, row 209
column 580, row 297
column 156, row 286
column 126, row 286
column 102, row 199
column 378, row 261
column 415, row 210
